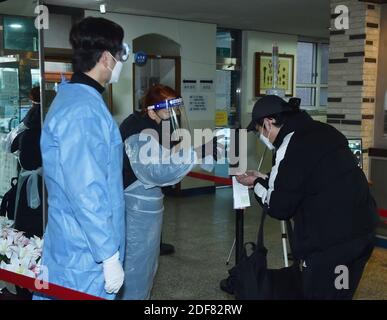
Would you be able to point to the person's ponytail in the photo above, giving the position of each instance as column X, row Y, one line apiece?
column 294, row 103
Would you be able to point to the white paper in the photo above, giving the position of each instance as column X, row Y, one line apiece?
column 240, row 194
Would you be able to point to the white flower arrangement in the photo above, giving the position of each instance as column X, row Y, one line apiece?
column 18, row 253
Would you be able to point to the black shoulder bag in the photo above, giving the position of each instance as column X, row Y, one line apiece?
column 252, row 280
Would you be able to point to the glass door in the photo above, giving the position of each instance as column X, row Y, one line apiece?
column 228, row 77
column 9, row 117
column 157, row 70
column 20, row 82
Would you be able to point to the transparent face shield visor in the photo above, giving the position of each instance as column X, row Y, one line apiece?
column 124, row 54
column 173, row 110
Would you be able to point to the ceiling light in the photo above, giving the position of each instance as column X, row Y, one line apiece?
column 16, row 26
column 102, row 8
column 8, row 59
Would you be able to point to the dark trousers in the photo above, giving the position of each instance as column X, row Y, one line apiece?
column 327, row 271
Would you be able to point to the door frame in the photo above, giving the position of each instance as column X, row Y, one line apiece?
column 177, row 75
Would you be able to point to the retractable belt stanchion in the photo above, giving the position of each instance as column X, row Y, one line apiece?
column 239, row 234
column 239, row 217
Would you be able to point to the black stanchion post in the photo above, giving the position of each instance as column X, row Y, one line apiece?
column 227, row 284
column 238, row 215
column 239, row 236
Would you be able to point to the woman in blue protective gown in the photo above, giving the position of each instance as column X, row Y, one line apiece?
column 143, row 179
column 82, row 163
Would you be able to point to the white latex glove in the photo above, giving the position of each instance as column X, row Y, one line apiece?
column 113, row 273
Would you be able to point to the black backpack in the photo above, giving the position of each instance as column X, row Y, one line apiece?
column 7, row 207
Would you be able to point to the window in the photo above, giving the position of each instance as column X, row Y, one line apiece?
column 20, row 34
column 312, row 74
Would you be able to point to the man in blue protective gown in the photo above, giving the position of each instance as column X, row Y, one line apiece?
column 81, row 147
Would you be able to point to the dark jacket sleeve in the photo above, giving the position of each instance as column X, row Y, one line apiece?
column 16, row 143
column 260, row 189
column 283, row 191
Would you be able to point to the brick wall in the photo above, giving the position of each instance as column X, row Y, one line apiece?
column 352, row 73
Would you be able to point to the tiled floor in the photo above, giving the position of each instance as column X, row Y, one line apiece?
column 374, row 282
column 202, row 230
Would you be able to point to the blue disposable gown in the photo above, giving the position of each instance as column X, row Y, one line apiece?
column 144, row 209
column 82, row 163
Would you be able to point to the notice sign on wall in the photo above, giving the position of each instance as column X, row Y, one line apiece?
column 206, row 85
column 197, row 103
column 189, row 85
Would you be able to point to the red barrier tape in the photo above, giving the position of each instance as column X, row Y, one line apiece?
column 62, row 293
column 383, row 213
column 53, row 290
column 228, row 181
column 202, row 176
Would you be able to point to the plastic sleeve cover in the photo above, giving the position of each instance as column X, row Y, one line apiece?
column 155, row 165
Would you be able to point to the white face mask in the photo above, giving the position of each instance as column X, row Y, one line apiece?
column 116, row 72
column 266, row 141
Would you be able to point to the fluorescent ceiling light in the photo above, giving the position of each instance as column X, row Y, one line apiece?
column 16, row 26
column 8, row 59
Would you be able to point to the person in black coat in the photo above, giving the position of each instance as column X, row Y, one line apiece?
column 27, row 142
column 316, row 181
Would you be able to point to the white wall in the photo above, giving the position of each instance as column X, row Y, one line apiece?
column 198, row 61
column 253, row 41
column 198, row 57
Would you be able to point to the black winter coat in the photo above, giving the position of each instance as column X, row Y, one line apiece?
column 316, row 181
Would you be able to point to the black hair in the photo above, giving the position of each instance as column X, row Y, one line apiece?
column 32, row 119
column 282, row 117
column 34, row 94
column 90, row 37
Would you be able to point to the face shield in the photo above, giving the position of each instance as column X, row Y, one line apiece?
column 124, row 54
column 121, row 57
column 173, row 111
